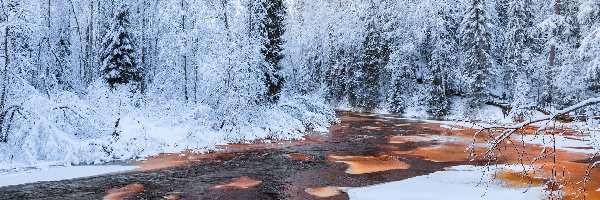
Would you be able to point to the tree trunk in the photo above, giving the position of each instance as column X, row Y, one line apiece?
column 552, row 55
column 5, row 73
column 185, row 70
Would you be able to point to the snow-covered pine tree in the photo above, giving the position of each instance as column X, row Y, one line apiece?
column 374, row 59
column 63, row 52
column 476, row 47
column 443, row 59
column 396, row 102
column 503, row 10
column 336, row 81
column 402, row 73
column 519, row 52
column 499, row 17
column 589, row 17
column 563, row 35
column 273, row 30
column 118, row 55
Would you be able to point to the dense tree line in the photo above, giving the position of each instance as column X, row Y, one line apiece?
column 166, row 47
column 425, row 56
column 433, row 56
column 98, row 80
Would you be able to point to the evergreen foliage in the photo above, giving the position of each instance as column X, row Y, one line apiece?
column 443, row 60
column 118, row 57
column 237, row 67
column 519, row 52
column 476, row 45
column 273, row 30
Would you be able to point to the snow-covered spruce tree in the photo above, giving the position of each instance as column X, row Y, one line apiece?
column 518, row 53
column 336, row 81
column 273, row 29
column 438, row 101
column 402, row 75
column 443, row 59
column 499, row 17
column 571, row 85
column 560, row 73
column 374, row 60
column 118, row 55
column 503, row 10
column 396, row 103
column 589, row 17
column 476, row 46
column 63, row 53
column 22, row 38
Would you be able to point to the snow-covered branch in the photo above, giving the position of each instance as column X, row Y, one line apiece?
column 508, row 130
column 591, row 101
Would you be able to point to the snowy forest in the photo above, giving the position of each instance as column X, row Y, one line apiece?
column 90, row 81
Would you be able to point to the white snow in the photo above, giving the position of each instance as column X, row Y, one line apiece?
column 579, row 144
column 449, row 127
column 68, row 130
column 57, row 173
column 459, row 183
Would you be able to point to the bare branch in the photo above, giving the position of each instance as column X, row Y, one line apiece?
column 558, row 113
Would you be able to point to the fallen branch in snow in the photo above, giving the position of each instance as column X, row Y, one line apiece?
column 565, row 111
column 510, row 129
column 500, row 134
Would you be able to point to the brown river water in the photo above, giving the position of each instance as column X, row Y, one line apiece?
column 363, row 150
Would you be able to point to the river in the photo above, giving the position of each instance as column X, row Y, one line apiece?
column 363, row 150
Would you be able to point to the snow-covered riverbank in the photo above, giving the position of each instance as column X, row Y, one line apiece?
column 456, row 183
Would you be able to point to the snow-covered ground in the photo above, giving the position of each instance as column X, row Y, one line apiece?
column 579, row 144
column 108, row 125
column 459, row 183
column 587, row 142
column 20, row 176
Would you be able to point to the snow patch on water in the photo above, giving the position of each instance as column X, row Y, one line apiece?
column 460, row 182
column 453, row 128
column 56, row 173
column 578, row 144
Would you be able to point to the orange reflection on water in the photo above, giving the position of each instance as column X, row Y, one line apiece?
column 171, row 160
column 569, row 173
column 447, row 152
column 521, row 179
column 124, row 192
column 369, row 164
column 240, row 183
column 324, row 192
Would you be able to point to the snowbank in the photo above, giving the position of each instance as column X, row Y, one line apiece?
column 578, row 144
column 460, row 182
column 57, row 173
column 108, row 125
